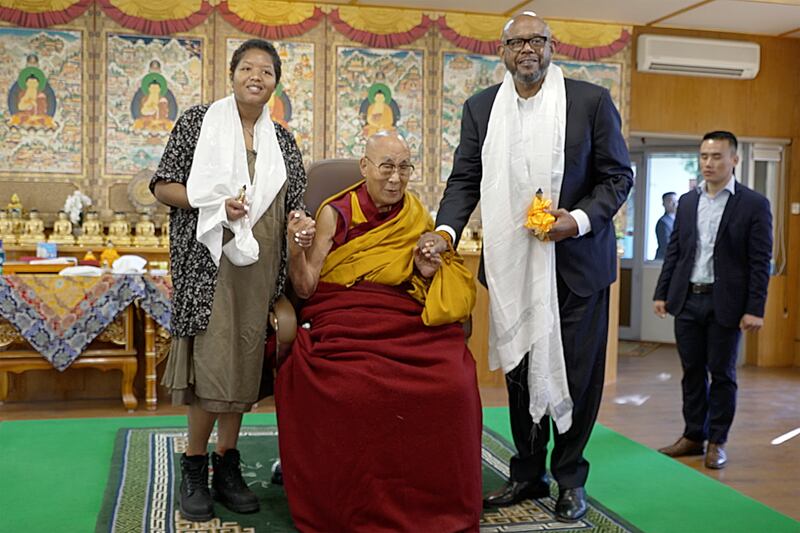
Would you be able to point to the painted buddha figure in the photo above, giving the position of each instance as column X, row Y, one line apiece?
column 119, row 231
column 379, row 111
column 62, row 230
column 154, row 107
column 91, row 230
column 32, row 102
column 145, row 232
column 33, row 229
column 280, row 108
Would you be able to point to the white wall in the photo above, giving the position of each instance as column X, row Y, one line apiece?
column 653, row 329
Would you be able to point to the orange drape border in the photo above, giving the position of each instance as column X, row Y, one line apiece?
column 281, row 31
column 377, row 40
column 570, row 50
column 156, row 27
column 265, row 31
column 44, row 19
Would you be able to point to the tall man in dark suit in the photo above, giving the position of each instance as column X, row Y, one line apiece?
column 714, row 282
column 596, row 180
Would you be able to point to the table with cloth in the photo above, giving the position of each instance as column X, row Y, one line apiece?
column 61, row 322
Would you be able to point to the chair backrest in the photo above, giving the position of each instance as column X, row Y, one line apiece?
column 327, row 177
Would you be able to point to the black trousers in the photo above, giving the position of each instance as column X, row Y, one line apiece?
column 706, row 347
column 584, row 333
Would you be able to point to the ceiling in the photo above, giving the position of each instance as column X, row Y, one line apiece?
column 780, row 18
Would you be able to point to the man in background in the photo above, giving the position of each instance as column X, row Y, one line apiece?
column 665, row 223
column 714, row 282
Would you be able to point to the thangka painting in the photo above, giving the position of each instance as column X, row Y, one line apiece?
column 464, row 75
column 41, row 111
column 608, row 75
column 150, row 81
column 379, row 89
column 292, row 103
column 467, row 74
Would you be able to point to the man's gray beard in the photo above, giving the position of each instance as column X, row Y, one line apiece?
column 530, row 79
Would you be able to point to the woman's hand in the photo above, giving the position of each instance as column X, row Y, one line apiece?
column 235, row 209
column 300, row 229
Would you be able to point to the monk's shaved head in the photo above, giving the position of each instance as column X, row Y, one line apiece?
column 386, row 167
column 385, row 141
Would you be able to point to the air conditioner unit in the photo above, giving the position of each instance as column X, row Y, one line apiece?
column 698, row 57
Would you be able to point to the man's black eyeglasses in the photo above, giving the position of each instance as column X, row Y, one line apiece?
column 517, row 44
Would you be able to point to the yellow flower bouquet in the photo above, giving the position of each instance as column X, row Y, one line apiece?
column 539, row 220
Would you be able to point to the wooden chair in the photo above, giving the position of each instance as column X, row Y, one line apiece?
column 325, row 178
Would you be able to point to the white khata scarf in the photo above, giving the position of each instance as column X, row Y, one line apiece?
column 521, row 269
column 219, row 171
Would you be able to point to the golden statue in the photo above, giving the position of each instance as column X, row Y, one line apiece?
column 18, row 223
column 62, row 230
column 119, row 231
column 14, row 203
column 145, row 232
column 165, row 233
column 7, row 229
column 91, row 230
column 34, row 230
column 109, row 255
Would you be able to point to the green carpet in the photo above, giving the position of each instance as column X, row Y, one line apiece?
column 53, row 474
column 141, row 492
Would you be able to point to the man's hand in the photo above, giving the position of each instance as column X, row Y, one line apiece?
column 300, row 229
column 751, row 323
column 564, row 227
column 430, row 245
column 235, row 209
column 660, row 308
column 426, row 266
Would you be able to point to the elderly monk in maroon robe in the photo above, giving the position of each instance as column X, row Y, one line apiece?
column 378, row 407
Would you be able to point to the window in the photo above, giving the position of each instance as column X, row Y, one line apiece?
column 668, row 172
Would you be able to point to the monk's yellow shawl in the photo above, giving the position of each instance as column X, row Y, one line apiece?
column 385, row 255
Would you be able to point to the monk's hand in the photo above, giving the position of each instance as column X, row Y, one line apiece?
column 427, row 266
column 431, row 245
column 300, row 229
column 660, row 308
column 751, row 323
column 235, row 209
column 564, row 227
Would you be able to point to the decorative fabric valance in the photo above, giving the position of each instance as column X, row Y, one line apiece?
column 157, row 18
column 578, row 40
column 271, row 19
column 380, row 27
column 41, row 13
column 376, row 27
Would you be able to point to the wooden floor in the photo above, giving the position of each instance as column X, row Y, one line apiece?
column 769, row 406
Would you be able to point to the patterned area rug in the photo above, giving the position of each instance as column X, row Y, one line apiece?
column 637, row 348
column 145, row 473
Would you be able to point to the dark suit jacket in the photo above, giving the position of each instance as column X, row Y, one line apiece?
column 597, row 179
column 663, row 231
column 742, row 252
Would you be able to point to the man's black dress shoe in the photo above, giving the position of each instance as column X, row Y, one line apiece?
column 516, row 491
column 571, row 505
